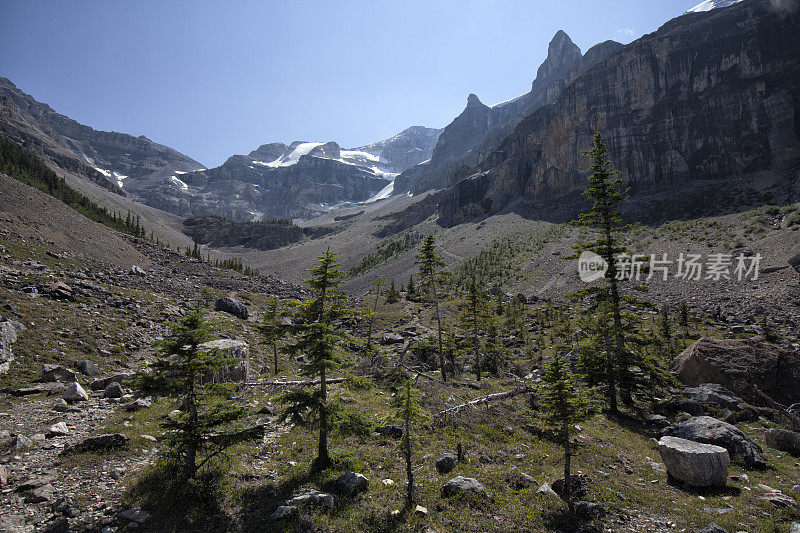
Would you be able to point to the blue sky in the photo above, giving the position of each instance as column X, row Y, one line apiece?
column 211, row 79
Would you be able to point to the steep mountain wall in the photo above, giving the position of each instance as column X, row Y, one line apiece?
column 708, row 95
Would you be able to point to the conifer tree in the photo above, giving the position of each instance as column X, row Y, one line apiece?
column 665, row 328
column 562, row 404
column 411, row 291
column 474, row 320
column 431, row 267
column 408, row 411
column 607, row 219
column 392, row 296
column 272, row 329
column 683, row 318
column 208, row 422
column 319, row 337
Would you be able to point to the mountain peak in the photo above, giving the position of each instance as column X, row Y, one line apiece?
column 561, row 46
column 473, row 100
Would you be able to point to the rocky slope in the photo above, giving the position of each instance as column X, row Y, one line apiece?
column 478, row 130
column 707, row 96
column 105, row 157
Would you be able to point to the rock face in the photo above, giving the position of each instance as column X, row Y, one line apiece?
column 231, row 349
column 229, row 305
column 699, row 465
column 749, row 368
column 479, row 129
column 668, row 104
column 709, row 430
column 783, row 440
column 106, row 158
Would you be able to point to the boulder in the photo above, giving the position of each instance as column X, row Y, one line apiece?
column 283, row 512
column 3, row 477
column 391, row 337
column 8, row 336
column 136, row 405
column 779, row 499
column 59, row 526
column 98, row 442
column 461, row 485
column 102, row 383
column 136, row 514
column 715, row 394
column 113, row 390
column 748, row 368
column 238, row 351
column 55, row 373
column 231, row 306
column 699, row 465
column 305, row 497
column 547, row 490
column 136, row 270
column 59, row 428
column 520, row 479
column 351, row 483
column 446, row 463
column 88, row 368
column 783, row 440
column 794, row 528
column 709, row 430
column 58, row 290
column 75, row 393
column 712, row 528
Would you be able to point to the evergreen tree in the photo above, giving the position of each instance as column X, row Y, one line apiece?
column 272, row 329
column 409, row 412
column 562, row 404
column 319, row 337
column 496, row 354
column 392, row 296
column 208, row 422
column 411, row 291
column 431, row 267
column 607, row 219
column 683, row 318
column 474, row 320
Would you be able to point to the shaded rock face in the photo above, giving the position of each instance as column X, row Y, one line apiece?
column 231, row 306
column 479, row 129
column 699, row 465
column 749, row 368
column 783, row 440
column 410, row 147
column 709, row 430
column 707, row 96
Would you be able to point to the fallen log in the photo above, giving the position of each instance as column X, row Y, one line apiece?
column 484, row 399
column 278, row 383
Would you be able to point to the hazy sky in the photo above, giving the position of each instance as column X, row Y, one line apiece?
column 211, row 79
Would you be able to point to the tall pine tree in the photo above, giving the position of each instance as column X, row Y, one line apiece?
column 431, row 267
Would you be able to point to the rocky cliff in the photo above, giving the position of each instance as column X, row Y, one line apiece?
column 707, row 96
column 108, row 158
column 479, row 129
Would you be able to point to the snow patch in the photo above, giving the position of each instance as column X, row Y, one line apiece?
column 294, row 156
column 179, row 183
column 384, row 193
column 708, row 5
column 120, row 178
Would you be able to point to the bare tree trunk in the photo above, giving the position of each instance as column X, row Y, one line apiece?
column 439, row 324
column 190, row 461
column 409, row 471
column 323, row 459
column 567, row 482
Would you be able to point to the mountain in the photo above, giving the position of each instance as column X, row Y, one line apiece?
column 117, row 161
column 479, row 129
column 299, row 180
column 707, row 96
column 708, row 5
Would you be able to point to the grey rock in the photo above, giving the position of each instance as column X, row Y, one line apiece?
column 709, row 430
column 391, row 337
column 98, row 442
column 390, row 431
column 547, row 490
column 59, row 526
column 461, row 484
column 712, row 528
column 40, row 494
column 698, row 464
column 75, row 393
column 783, row 440
column 283, row 512
column 794, row 528
column 779, row 499
column 8, row 336
column 715, row 394
column 88, row 368
column 446, row 463
column 137, row 271
column 3, row 477
column 231, row 306
column 136, row 405
column 102, row 383
column 52, row 373
column 59, row 428
column 239, row 353
column 351, row 483
column 113, row 390
column 312, row 497
column 520, row 478
column 22, row 442
column 136, row 514
column 66, row 506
